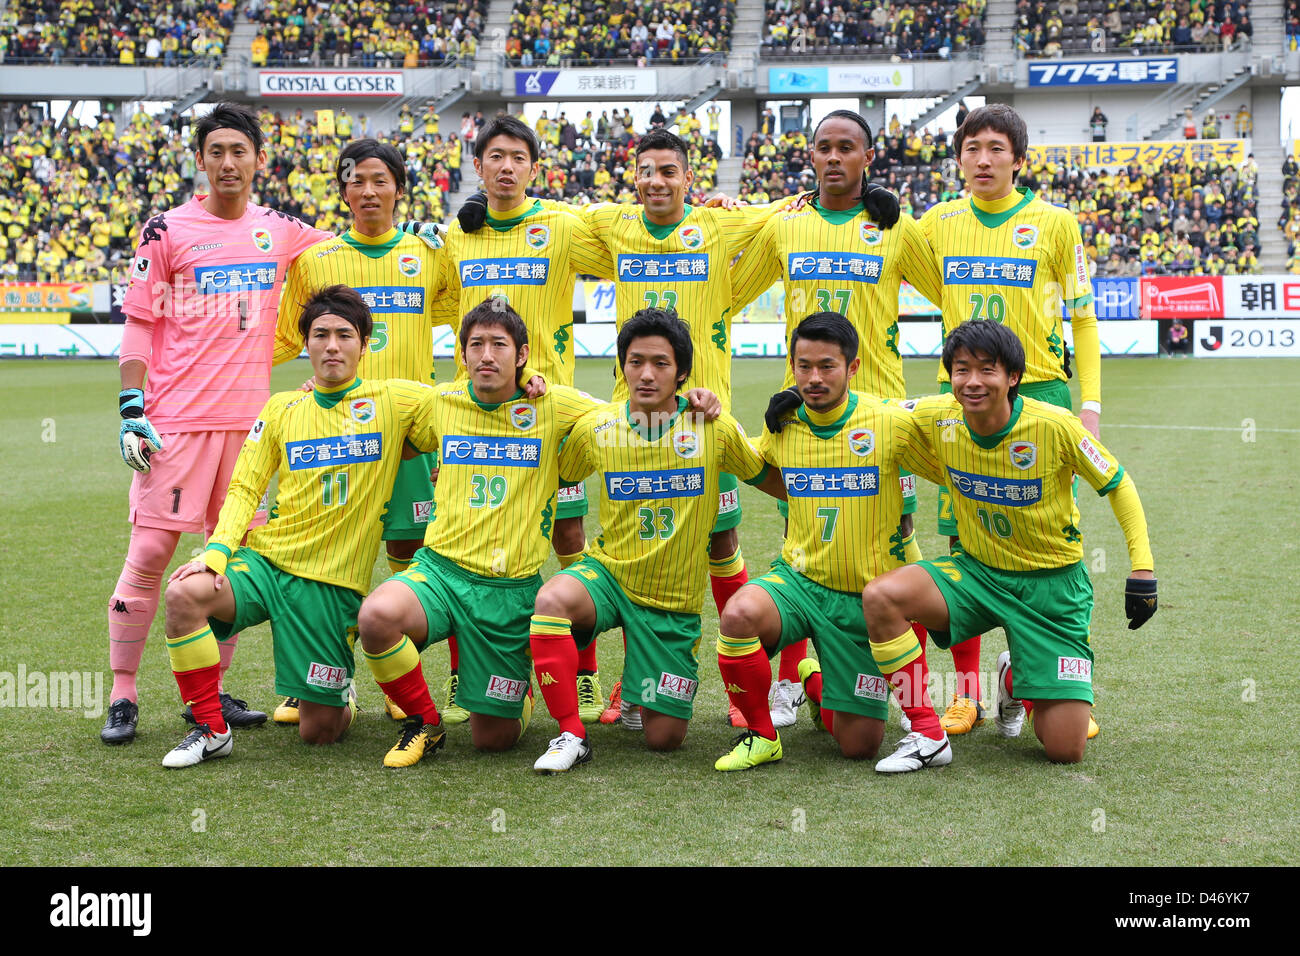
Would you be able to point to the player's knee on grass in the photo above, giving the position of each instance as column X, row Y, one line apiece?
column 569, row 537
column 723, row 544
column 1062, row 728
column 491, row 734
column 662, row 732
column 859, row 737
column 320, row 724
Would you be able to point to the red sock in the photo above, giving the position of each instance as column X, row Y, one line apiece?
column 555, row 660
column 411, row 693
column 911, row 680
column 199, row 689
column 587, row 658
column 724, row 588
column 790, row 658
column 966, row 661
column 828, row 720
column 453, row 654
column 747, row 680
column 1006, row 682
column 813, row 688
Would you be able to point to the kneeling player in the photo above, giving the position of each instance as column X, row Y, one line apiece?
column 335, row 451
column 839, row 455
column 1010, row 461
column 659, row 473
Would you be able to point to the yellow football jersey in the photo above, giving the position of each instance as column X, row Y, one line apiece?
column 495, row 495
column 658, row 497
column 393, row 273
column 1016, row 264
column 841, row 261
column 840, row 470
column 1012, row 492
column 530, row 259
column 335, row 455
column 685, row 267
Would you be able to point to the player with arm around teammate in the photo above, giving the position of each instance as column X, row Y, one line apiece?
column 335, row 451
column 1011, row 463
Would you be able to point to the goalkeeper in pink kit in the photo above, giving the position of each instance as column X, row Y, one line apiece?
column 201, row 311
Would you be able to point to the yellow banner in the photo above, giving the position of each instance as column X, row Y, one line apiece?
column 33, row 318
column 325, row 122
column 44, row 297
column 1230, row 152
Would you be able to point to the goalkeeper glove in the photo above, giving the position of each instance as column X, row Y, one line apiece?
column 782, row 404
column 473, row 214
column 1139, row 601
column 137, row 439
column 880, row 204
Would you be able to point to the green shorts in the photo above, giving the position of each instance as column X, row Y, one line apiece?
column 728, row 503
column 1054, row 392
column 661, row 665
column 851, row 681
column 490, row 618
column 410, row 507
column 313, row 626
column 1046, row 615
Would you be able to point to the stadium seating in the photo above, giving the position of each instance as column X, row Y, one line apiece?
column 1098, row 26
column 369, row 34
column 584, row 31
column 932, row 30
column 144, row 33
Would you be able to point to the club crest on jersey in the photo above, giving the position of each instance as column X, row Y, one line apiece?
column 862, row 441
column 871, row 234
column 523, row 416
column 686, row 444
column 537, row 236
column 692, row 236
column 362, row 409
column 408, row 266
column 1023, row 454
column 1025, row 236
column 262, row 239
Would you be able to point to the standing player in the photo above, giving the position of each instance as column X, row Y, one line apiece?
column 205, row 283
column 335, row 453
column 1006, row 255
column 525, row 253
column 1011, row 462
column 659, row 471
column 838, row 454
column 397, row 276
column 847, row 251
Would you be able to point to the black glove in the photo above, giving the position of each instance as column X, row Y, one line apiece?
column 881, row 205
column 473, row 213
column 782, row 404
column 1139, row 601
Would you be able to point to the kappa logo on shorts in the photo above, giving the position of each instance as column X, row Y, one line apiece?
column 523, row 416
column 1023, row 454
column 686, row 444
column 1024, row 237
column 1074, row 668
column 871, row 234
column 255, row 433
column 537, row 236
column 408, row 266
column 322, row 675
column 692, row 236
column 862, row 441
column 678, row 688
column 362, row 409
column 503, row 688
column 262, row 239
column 421, row 511
column 872, row 687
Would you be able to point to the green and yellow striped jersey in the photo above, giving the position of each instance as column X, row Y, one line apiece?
column 832, row 261
column 396, row 274
column 336, row 454
column 530, row 258
column 495, row 495
column 658, row 496
column 1012, row 492
column 1015, row 261
column 840, row 470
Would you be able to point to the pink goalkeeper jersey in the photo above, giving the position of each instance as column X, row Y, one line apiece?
column 210, row 288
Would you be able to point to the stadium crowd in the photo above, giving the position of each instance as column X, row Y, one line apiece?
column 581, row 31
column 1289, row 221
column 145, row 33
column 368, row 34
column 932, row 30
column 1151, row 27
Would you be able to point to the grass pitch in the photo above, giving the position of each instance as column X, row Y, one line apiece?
column 1192, row 767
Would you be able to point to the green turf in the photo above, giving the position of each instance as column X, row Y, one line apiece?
column 1193, row 764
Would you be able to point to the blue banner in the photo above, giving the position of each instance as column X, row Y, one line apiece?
column 1104, row 72
column 1116, row 298
column 808, row 80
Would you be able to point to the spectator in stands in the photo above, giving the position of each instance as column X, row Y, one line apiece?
column 1244, row 124
column 1189, row 124
column 1210, row 126
column 1098, row 125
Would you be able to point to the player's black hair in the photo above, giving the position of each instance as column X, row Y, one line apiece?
column 991, row 339
column 662, row 139
column 665, row 322
column 494, row 310
column 1001, row 119
column 504, row 125
column 234, row 116
column 359, row 150
column 341, row 300
column 827, row 327
column 879, row 203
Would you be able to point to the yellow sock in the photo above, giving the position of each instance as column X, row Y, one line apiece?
column 568, row 559
column 911, row 550
column 193, row 651
column 738, row 646
column 898, row 653
column 727, row 567
column 389, row 665
column 398, row 565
